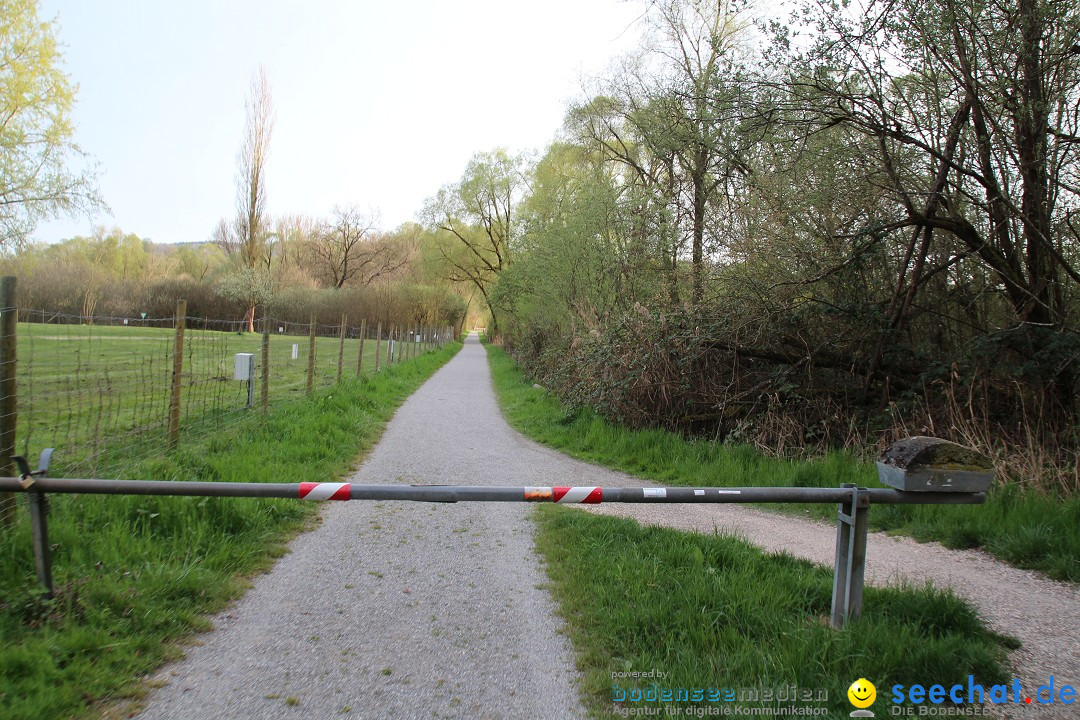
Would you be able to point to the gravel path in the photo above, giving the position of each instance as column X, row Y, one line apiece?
column 428, row 611
column 398, row 610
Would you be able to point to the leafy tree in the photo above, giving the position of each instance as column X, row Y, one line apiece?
column 580, row 257
column 36, row 145
column 972, row 116
column 475, row 217
column 199, row 260
column 677, row 116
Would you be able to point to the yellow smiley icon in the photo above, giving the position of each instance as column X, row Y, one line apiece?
column 862, row 693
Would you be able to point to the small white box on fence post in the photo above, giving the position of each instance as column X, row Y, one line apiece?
column 295, row 351
column 245, row 370
column 245, row 365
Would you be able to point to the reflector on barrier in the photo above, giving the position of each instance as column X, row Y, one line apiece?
column 324, row 491
column 589, row 495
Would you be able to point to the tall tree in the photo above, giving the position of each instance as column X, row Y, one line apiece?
column 476, row 217
column 973, row 114
column 676, row 116
column 248, row 237
column 36, row 145
column 346, row 250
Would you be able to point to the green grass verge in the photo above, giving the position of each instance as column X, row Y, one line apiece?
column 1025, row 529
column 135, row 575
column 715, row 612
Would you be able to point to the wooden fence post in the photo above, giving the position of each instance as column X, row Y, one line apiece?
column 311, row 355
column 264, row 397
column 9, row 405
column 341, row 346
column 360, row 355
column 177, row 374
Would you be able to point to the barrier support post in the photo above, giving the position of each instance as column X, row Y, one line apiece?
column 39, row 518
column 850, row 565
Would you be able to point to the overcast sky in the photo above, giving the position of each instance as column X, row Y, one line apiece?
column 377, row 103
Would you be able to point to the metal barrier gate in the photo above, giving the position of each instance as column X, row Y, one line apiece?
column 954, row 484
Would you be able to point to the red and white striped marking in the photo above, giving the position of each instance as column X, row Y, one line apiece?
column 590, row 495
column 324, row 491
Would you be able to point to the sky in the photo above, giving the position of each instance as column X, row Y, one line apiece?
column 378, row 104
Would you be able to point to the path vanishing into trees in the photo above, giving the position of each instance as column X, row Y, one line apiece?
column 422, row 610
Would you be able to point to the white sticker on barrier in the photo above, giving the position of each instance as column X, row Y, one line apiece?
column 699, row 492
column 654, row 492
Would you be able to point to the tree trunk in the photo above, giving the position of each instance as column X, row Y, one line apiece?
column 698, row 258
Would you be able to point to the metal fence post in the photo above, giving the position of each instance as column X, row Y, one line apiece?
column 178, row 374
column 360, row 353
column 264, row 396
column 378, row 342
column 39, row 518
column 850, row 564
column 311, row 355
column 9, row 405
column 341, row 346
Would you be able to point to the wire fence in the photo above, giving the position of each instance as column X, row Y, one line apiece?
column 111, row 393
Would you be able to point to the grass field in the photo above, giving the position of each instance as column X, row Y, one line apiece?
column 83, row 387
column 1025, row 529
column 136, row 575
